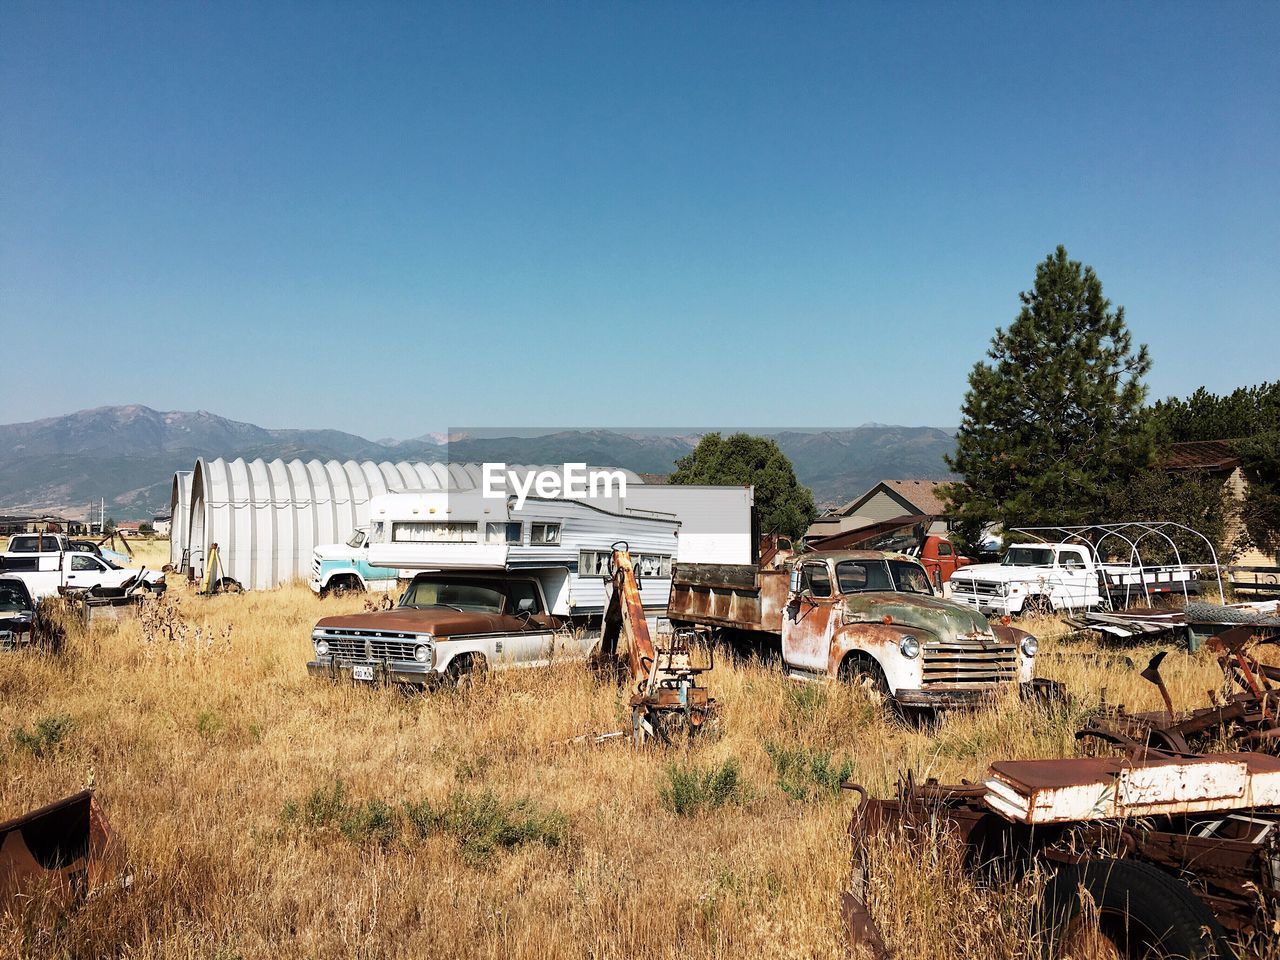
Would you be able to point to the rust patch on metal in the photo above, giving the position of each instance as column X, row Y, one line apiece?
column 64, row 841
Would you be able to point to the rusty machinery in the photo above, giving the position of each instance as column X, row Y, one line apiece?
column 1160, row 823
column 1180, row 856
column 667, row 703
column 1247, row 713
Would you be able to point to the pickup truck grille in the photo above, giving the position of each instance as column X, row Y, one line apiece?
column 963, row 663
column 979, row 588
column 370, row 645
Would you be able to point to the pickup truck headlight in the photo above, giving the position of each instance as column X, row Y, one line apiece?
column 1030, row 646
column 422, row 653
column 909, row 646
column 322, row 648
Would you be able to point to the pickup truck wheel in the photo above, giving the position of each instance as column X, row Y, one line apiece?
column 865, row 674
column 341, row 586
column 464, row 671
column 1037, row 606
column 1136, row 911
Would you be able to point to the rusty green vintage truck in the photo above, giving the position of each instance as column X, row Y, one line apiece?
column 866, row 616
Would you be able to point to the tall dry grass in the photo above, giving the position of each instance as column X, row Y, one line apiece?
column 218, row 763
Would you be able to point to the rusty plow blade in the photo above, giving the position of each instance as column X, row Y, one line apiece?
column 63, row 843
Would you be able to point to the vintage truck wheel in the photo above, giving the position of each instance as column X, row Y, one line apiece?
column 1138, row 912
column 864, row 673
column 341, row 586
column 464, row 671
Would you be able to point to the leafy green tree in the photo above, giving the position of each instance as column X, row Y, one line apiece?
column 782, row 503
column 1248, row 417
column 1193, row 499
column 1054, row 419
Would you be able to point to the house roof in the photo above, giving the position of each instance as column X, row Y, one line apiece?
column 1201, row 455
column 921, row 494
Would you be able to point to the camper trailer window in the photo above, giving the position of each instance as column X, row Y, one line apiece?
column 547, row 534
column 434, row 532
column 503, row 532
column 595, row 563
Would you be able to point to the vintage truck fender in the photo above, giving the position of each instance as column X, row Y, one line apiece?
column 881, row 642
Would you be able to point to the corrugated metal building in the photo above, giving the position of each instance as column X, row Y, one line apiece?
column 180, row 518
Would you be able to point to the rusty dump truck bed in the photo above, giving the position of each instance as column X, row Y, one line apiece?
column 737, row 596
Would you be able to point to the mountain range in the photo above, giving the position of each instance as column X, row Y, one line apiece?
column 127, row 455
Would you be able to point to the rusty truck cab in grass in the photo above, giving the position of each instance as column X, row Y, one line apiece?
column 866, row 616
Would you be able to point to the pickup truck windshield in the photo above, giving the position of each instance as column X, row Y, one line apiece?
column 357, row 539
column 1028, row 557
column 13, row 598
column 458, row 593
column 895, row 576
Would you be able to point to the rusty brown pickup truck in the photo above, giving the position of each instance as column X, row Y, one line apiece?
column 867, row 616
column 448, row 626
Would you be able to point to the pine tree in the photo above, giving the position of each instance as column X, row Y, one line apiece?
column 1054, row 421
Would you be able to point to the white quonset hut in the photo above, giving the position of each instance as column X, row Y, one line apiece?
column 268, row 517
column 180, row 514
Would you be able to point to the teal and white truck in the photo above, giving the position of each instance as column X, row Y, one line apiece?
column 345, row 567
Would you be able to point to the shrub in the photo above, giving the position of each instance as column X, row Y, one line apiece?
column 692, row 788
column 808, row 774
column 48, row 733
column 482, row 822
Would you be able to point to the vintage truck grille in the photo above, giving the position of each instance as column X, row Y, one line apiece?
column 315, row 567
column 368, row 645
column 957, row 664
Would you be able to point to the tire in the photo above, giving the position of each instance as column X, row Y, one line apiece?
column 464, row 671
column 863, row 672
column 1142, row 912
column 1037, row 606
column 341, row 586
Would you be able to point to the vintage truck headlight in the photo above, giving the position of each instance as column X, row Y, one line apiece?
column 909, row 646
column 322, row 648
column 1030, row 646
column 422, row 653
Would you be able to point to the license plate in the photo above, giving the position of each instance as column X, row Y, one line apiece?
column 362, row 671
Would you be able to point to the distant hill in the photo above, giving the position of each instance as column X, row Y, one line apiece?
column 129, row 454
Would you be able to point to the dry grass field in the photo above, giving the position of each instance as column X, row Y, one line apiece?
column 263, row 814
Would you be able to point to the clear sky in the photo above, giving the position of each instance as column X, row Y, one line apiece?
column 394, row 218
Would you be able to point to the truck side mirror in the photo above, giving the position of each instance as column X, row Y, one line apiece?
column 525, row 605
column 795, row 581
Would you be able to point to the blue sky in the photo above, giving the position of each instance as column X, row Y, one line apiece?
column 395, row 218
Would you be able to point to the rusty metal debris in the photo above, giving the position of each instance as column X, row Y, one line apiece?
column 63, row 842
column 1192, row 625
column 1248, row 714
column 667, row 702
column 1201, row 832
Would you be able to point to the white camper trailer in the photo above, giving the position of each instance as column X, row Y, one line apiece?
column 566, row 544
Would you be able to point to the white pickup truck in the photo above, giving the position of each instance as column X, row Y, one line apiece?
column 1041, row 578
column 48, row 565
